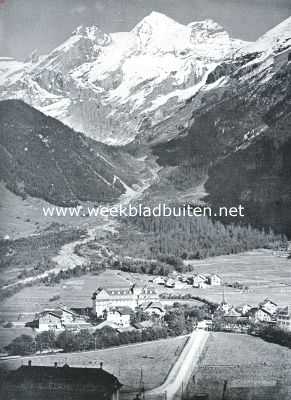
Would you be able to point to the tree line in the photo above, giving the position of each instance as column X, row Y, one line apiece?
column 159, row 245
column 177, row 321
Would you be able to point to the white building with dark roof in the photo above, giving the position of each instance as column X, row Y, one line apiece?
column 59, row 319
column 119, row 316
column 105, row 299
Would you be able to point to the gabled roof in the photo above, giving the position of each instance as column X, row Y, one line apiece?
column 254, row 310
column 285, row 310
column 122, row 310
column 268, row 301
column 55, row 313
column 113, row 291
column 233, row 313
column 58, row 312
column 215, row 275
column 72, row 375
column 154, row 304
column 106, row 323
column 68, row 311
column 200, row 276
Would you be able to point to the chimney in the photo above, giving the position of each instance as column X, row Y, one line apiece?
column 101, row 365
column 56, row 365
column 29, row 363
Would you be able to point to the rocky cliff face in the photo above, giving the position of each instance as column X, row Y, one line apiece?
column 119, row 87
column 240, row 136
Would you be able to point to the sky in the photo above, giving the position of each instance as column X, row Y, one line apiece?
column 26, row 25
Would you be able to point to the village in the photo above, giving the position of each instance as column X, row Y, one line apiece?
column 126, row 309
column 142, row 315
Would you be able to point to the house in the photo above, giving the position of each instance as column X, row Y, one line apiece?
column 58, row 319
column 58, row 383
column 214, row 280
column 199, row 281
column 154, row 308
column 284, row 318
column 119, row 316
column 259, row 315
column 269, row 306
column 106, row 298
column 48, row 320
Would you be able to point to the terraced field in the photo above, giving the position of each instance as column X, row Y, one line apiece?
column 245, row 364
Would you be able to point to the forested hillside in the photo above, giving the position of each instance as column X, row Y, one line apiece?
column 190, row 238
column 44, row 158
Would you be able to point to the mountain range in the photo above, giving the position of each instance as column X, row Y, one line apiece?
column 213, row 110
column 118, row 87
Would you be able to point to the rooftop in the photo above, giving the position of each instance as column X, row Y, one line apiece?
column 72, row 375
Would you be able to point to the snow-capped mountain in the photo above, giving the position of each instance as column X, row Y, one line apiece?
column 121, row 86
column 238, row 143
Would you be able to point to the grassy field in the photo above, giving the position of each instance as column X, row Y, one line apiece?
column 266, row 275
column 240, row 360
column 74, row 292
column 155, row 359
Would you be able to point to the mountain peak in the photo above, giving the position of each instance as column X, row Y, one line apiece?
column 159, row 32
column 156, row 18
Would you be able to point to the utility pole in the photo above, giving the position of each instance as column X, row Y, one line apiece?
column 141, row 385
column 224, row 390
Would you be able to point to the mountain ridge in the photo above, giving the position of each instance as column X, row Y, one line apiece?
column 42, row 157
column 114, row 87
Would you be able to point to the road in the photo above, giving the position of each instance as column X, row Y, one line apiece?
column 182, row 370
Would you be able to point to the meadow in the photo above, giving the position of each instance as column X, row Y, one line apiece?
column 151, row 360
column 74, row 292
column 241, row 361
column 263, row 271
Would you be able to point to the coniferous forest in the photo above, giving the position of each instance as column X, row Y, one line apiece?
column 191, row 238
